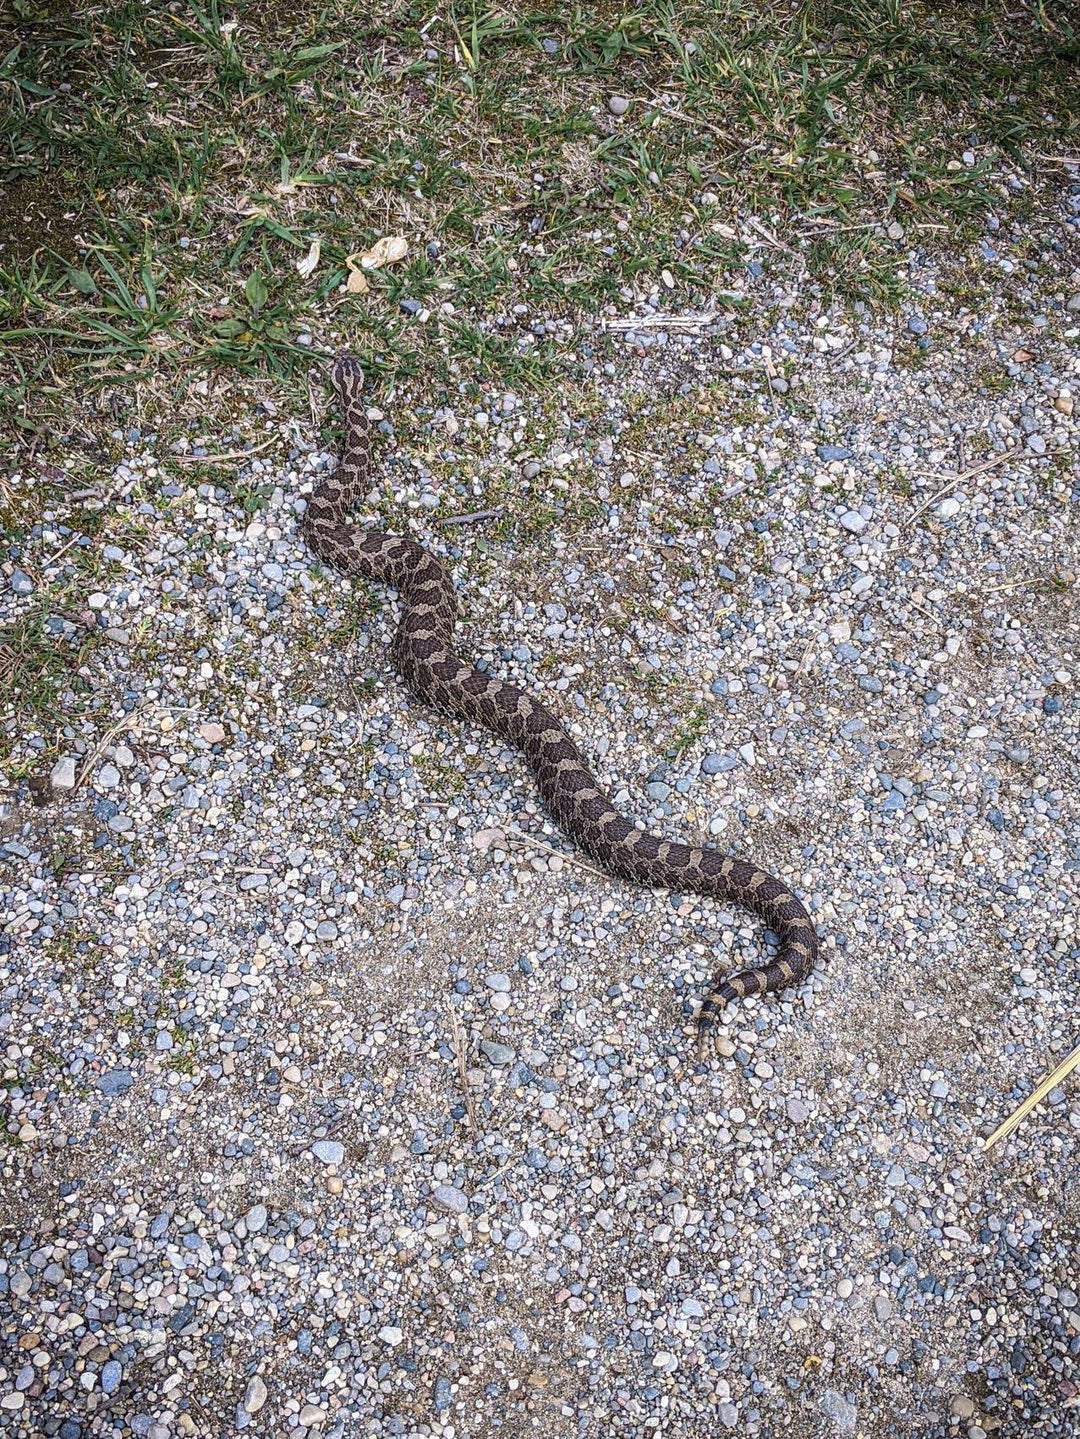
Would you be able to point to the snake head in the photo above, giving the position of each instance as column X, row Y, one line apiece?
column 348, row 376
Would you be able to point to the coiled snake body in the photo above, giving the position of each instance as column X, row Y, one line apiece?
column 424, row 656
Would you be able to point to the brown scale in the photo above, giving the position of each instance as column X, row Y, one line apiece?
column 424, row 655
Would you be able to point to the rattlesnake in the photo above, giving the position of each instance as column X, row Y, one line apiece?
column 423, row 655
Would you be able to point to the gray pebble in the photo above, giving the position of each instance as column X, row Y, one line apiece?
column 618, row 104
column 255, row 1395
column 718, row 763
column 498, row 1053
column 329, row 1151
column 255, row 1221
column 63, row 773
column 843, row 1414
column 450, row 1198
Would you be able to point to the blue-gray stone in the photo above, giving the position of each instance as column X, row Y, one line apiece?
column 852, row 728
column 917, row 325
column 870, row 683
column 836, row 1407
column 497, row 1053
column 834, row 452
column 21, row 583
column 116, row 1081
column 444, row 1394
column 718, row 763
column 111, row 1374
column 255, row 1218
column 329, row 1151
column 658, row 790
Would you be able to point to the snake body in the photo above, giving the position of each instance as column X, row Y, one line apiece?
column 423, row 654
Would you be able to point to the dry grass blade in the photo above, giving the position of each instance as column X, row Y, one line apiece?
column 225, row 458
column 1035, row 1098
column 525, row 841
column 959, row 480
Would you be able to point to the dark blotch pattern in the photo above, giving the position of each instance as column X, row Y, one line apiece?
column 424, row 656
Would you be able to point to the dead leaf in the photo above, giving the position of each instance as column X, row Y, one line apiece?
column 384, row 252
column 357, row 282
column 307, row 265
column 1022, row 357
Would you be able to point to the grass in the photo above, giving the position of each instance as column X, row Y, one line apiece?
column 167, row 165
column 185, row 191
column 36, row 665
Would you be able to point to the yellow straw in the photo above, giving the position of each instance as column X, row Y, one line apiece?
column 1054, row 1078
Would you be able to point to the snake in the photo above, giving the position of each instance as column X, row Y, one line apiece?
column 423, row 654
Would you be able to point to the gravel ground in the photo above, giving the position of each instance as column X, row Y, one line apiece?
column 345, row 1100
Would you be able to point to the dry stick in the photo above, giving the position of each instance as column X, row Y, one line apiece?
column 223, row 459
column 769, row 369
column 959, row 480
column 771, row 239
column 524, row 839
column 458, row 1036
column 690, row 323
column 1014, row 584
column 699, row 121
column 1054, row 1078
column 125, row 723
column 473, row 516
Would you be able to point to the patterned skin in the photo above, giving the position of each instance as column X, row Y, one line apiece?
column 424, row 656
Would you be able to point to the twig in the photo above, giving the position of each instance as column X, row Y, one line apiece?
column 690, row 324
column 1052, row 1080
column 521, row 839
column 458, row 1036
column 696, row 120
column 223, row 459
column 1013, row 585
column 959, row 480
column 49, row 560
column 473, row 516
column 127, row 721
column 770, row 238
column 770, row 375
